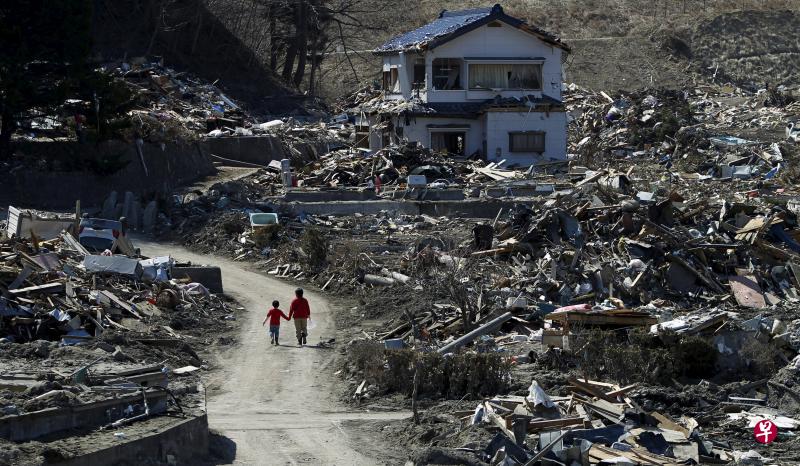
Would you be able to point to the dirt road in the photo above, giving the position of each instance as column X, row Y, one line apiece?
column 277, row 403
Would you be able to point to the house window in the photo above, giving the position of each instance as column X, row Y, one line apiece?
column 446, row 73
column 505, row 76
column 419, row 75
column 526, row 141
column 390, row 81
column 452, row 142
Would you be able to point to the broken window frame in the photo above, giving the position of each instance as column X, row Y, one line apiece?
column 419, row 74
column 535, row 142
column 448, row 133
column 452, row 67
column 391, row 80
column 510, row 72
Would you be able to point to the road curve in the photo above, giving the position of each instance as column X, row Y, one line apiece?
column 276, row 403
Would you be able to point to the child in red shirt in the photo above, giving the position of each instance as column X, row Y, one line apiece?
column 274, row 316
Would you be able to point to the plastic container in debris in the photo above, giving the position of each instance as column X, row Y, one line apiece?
column 516, row 303
column 394, row 343
column 417, row 181
column 262, row 219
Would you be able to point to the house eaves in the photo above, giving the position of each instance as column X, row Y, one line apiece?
column 453, row 24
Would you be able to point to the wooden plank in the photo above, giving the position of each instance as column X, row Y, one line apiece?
column 594, row 177
column 74, row 244
column 611, row 408
column 636, row 455
column 550, row 424
column 610, row 417
column 492, row 252
column 54, row 287
column 587, row 387
column 666, row 423
column 621, row 391
column 124, row 305
column 498, row 421
column 328, row 282
column 602, row 319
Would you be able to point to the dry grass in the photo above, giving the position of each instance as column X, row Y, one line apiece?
column 571, row 19
column 640, row 357
column 456, row 376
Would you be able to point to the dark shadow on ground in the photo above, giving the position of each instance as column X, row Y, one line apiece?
column 221, row 450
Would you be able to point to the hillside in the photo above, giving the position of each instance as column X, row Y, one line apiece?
column 617, row 44
column 627, row 44
column 188, row 37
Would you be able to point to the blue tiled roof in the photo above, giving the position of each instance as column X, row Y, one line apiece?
column 451, row 24
column 447, row 23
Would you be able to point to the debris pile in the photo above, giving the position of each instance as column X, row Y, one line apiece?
column 169, row 104
column 664, row 261
column 594, row 422
column 98, row 332
column 690, row 129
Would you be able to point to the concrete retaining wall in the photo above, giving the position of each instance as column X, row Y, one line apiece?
column 465, row 209
column 262, row 149
column 53, row 420
column 67, row 178
column 186, row 440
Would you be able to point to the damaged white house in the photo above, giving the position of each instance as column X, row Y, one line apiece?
column 473, row 82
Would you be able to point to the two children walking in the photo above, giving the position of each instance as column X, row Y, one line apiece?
column 299, row 310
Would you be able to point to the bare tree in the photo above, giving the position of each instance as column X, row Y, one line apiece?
column 454, row 280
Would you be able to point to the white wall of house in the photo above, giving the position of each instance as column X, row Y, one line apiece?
column 486, row 45
column 419, row 131
column 500, row 124
column 494, row 128
column 494, row 42
column 484, row 42
column 398, row 62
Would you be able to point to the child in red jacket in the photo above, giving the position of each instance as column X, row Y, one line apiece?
column 274, row 316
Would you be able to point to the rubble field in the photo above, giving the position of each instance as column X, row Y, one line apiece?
column 98, row 350
column 634, row 304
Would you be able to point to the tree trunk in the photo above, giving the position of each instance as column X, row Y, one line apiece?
column 273, row 37
column 302, row 42
column 6, row 129
column 156, row 27
column 291, row 49
column 288, row 62
column 314, row 66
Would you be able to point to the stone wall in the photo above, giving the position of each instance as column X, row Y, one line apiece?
column 69, row 171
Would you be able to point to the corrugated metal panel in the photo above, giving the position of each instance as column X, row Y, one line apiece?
column 13, row 221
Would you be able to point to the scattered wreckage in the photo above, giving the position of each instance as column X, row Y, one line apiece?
column 663, row 257
column 98, row 345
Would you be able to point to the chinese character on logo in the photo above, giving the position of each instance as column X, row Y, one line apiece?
column 765, row 431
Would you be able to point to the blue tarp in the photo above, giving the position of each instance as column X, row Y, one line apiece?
column 67, row 341
column 9, row 310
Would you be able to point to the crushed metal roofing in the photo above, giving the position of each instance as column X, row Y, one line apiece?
column 415, row 107
column 474, row 108
column 451, row 24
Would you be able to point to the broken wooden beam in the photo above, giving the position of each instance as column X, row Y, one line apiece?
column 55, row 287
column 482, row 330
